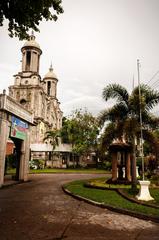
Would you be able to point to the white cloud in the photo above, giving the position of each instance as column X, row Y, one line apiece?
column 91, row 45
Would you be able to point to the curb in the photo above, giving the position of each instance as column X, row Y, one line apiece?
column 115, row 209
column 13, row 184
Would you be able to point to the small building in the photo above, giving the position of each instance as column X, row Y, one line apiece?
column 121, row 162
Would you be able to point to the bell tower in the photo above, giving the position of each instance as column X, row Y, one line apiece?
column 31, row 55
column 27, row 84
column 50, row 80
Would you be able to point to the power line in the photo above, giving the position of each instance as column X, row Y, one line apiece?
column 152, row 77
column 155, row 84
column 157, row 81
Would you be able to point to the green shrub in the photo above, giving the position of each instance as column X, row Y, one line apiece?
column 37, row 164
column 155, row 180
column 105, row 165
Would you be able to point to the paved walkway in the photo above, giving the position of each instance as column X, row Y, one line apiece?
column 39, row 210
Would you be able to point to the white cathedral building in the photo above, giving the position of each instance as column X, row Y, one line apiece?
column 38, row 95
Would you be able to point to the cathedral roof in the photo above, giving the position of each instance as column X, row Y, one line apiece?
column 50, row 73
column 31, row 42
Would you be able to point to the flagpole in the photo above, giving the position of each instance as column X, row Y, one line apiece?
column 141, row 124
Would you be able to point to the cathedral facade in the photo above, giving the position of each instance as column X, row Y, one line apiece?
column 38, row 95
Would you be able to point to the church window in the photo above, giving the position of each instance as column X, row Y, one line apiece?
column 48, row 87
column 23, row 102
column 28, row 60
column 26, row 82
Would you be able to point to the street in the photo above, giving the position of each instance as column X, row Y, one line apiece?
column 40, row 210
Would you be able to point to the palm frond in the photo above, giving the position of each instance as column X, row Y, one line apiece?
column 103, row 117
column 115, row 91
column 113, row 131
column 149, row 96
column 118, row 112
column 53, row 137
column 150, row 120
column 108, row 135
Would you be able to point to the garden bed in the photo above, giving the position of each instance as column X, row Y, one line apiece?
column 110, row 198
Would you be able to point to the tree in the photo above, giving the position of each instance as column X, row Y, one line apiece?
column 25, row 15
column 124, row 120
column 151, row 147
column 53, row 138
column 81, row 130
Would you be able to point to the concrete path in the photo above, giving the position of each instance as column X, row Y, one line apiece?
column 39, row 210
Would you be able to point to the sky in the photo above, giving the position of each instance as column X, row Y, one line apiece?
column 93, row 44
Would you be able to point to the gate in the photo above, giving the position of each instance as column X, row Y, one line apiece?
column 15, row 122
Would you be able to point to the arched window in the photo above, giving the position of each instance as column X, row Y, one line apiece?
column 48, row 88
column 28, row 60
column 23, row 102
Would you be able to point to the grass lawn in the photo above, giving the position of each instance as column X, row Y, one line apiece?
column 50, row 170
column 56, row 170
column 155, row 194
column 109, row 197
column 101, row 182
column 153, row 191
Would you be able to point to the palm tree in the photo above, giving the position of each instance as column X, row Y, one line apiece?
column 53, row 137
column 123, row 118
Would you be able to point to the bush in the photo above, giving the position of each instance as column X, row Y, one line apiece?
column 105, row 165
column 155, row 180
column 36, row 164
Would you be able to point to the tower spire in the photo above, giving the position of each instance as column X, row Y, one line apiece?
column 32, row 36
column 51, row 68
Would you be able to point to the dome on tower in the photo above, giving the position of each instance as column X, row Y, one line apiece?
column 50, row 73
column 31, row 42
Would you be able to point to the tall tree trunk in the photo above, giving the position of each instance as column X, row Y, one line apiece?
column 134, row 180
column 52, row 159
column 114, row 166
column 127, row 167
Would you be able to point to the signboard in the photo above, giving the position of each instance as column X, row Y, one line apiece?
column 18, row 128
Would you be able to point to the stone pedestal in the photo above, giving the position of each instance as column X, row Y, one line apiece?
column 144, row 194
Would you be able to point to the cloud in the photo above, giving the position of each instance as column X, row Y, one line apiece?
column 92, row 49
column 92, row 104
